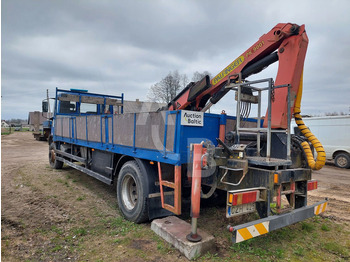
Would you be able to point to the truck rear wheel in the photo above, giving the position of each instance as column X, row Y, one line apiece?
column 132, row 192
column 342, row 160
column 54, row 163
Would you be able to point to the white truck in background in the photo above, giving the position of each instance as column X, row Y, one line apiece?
column 334, row 134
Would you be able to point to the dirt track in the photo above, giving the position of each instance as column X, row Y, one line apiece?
column 334, row 183
column 36, row 198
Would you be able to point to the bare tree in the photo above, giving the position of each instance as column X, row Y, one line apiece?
column 184, row 81
column 165, row 90
column 335, row 114
column 199, row 76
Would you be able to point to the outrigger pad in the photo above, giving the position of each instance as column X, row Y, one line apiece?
column 174, row 231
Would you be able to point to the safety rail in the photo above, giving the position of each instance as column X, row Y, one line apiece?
column 270, row 88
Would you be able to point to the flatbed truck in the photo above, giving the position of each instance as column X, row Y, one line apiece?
column 158, row 159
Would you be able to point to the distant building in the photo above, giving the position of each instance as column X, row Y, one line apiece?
column 4, row 124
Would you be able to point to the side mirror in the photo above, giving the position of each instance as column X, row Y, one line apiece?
column 45, row 107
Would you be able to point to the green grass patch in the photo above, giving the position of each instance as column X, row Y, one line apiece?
column 117, row 241
column 60, row 180
column 57, row 230
column 162, row 246
column 299, row 251
column 325, row 227
column 210, row 256
column 315, row 239
column 279, row 253
column 337, row 249
column 80, row 198
column 308, row 227
column 80, row 231
column 120, row 226
column 57, row 248
column 256, row 248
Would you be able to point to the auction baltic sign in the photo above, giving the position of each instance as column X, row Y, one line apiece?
column 190, row 118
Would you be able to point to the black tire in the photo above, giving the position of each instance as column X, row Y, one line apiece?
column 132, row 192
column 54, row 163
column 342, row 160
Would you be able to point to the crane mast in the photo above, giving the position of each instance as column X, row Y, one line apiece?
column 285, row 43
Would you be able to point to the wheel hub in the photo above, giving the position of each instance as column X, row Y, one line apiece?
column 52, row 155
column 341, row 161
column 129, row 192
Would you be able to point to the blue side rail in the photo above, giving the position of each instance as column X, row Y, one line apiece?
column 173, row 145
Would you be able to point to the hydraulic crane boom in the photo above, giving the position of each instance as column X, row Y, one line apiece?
column 290, row 41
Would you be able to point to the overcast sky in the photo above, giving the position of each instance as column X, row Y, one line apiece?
column 112, row 47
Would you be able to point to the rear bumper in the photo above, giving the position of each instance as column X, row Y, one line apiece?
column 262, row 226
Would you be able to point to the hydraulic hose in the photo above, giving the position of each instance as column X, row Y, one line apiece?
column 321, row 155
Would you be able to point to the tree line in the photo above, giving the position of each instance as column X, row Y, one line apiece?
column 169, row 86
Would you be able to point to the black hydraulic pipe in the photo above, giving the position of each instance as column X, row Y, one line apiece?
column 259, row 65
column 231, row 136
column 247, row 71
column 217, row 96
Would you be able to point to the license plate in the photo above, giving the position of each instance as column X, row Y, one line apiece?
column 232, row 211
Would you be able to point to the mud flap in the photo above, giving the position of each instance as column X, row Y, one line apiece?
column 155, row 209
column 262, row 226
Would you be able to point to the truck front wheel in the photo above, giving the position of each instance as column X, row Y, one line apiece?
column 342, row 160
column 132, row 192
column 54, row 163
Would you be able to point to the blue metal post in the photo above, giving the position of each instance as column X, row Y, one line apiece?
column 134, row 138
column 122, row 110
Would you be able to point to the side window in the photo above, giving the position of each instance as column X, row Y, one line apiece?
column 86, row 108
column 67, row 107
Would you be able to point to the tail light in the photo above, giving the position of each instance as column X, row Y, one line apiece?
column 311, row 185
column 235, row 199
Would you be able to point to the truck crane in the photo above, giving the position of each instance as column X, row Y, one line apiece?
column 158, row 159
column 290, row 41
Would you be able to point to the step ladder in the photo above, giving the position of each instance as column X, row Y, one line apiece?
column 176, row 186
